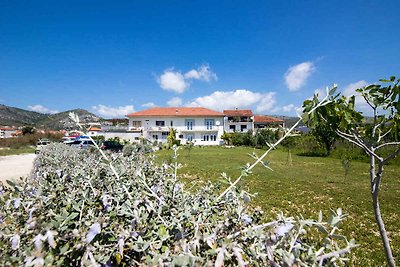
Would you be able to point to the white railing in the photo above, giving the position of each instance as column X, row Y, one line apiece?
column 197, row 128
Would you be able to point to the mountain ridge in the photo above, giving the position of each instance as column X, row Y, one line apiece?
column 13, row 116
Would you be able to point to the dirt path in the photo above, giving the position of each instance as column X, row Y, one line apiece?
column 16, row 166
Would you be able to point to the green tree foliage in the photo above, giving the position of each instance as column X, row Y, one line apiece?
column 227, row 137
column 265, row 136
column 28, row 130
column 171, row 138
column 371, row 136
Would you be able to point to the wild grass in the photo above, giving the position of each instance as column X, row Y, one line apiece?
column 16, row 151
column 309, row 185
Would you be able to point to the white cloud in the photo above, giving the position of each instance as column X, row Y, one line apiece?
column 173, row 81
column 240, row 98
column 267, row 102
column 350, row 90
column 287, row 109
column 203, row 73
column 178, row 82
column 149, row 105
column 296, row 76
column 174, row 102
column 42, row 109
column 110, row 112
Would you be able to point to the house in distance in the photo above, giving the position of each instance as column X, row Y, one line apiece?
column 199, row 125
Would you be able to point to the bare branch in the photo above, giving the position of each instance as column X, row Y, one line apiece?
column 388, row 144
column 357, row 141
column 383, row 135
column 391, row 156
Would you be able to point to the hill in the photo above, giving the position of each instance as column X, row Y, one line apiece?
column 61, row 120
column 18, row 117
column 12, row 116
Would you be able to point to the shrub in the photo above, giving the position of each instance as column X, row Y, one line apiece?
column 73, row 211
column 28, row 139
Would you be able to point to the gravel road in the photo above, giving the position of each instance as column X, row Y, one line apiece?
column 16, row 166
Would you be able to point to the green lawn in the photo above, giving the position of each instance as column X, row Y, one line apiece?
column 16, row 151
column 309, row 185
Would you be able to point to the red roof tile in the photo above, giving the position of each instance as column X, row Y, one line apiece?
column 176, row 112
column 265, row 119
column 238, row 112
column 94, row 129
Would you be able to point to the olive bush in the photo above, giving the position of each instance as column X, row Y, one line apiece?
column 74, row 211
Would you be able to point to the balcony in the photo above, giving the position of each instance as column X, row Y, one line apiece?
column 135, row 129
column 202, row 128
column 158, row 129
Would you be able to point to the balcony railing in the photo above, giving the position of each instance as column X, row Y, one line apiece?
column 202, row 128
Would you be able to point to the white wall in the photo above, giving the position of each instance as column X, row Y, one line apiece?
column 198, row 132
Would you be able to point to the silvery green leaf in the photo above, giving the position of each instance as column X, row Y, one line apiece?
column 94, row 230
column 50, row 238
column 283, row 229
column 15, row 241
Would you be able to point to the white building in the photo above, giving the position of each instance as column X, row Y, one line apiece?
column 7, row 132
column 202, row 126
column 243, row 120
column 94, row 131
column 238, row 120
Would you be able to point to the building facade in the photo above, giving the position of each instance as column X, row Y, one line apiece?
column 238, row 120
column 201, row 126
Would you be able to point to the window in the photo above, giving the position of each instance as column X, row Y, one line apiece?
column 209, row 123
column 243, row 127
column 189, row 137
column 160, row 123
column 208, row 137
column 136, row 138
column 189, row 124
column 155, row 137
column 172, row 123
column 232, row 127
column 164, row 135
column 136, row 124
column 181, row 136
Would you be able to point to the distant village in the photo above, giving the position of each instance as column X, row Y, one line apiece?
column 198, row 125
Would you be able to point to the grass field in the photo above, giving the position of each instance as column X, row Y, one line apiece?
column 16, row 151
column 309, row 185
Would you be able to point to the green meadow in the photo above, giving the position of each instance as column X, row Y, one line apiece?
column 305, row 185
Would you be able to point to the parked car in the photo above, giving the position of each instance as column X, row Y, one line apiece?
column 112, row 145
column 68, row 139
column 83, row 143
column 40, row 144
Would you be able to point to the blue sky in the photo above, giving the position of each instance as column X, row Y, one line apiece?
column 115, row 57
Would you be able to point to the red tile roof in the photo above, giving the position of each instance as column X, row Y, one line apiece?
column 265, row 119
column 238, row 112
column 94, row 129
column 176, row 112
column 7, row 129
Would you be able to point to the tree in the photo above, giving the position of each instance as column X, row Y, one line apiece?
column 227, row 137
column 371, row 136
column 264, row 137
column 28, row 130
column 325, row 130
column 171, row 137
